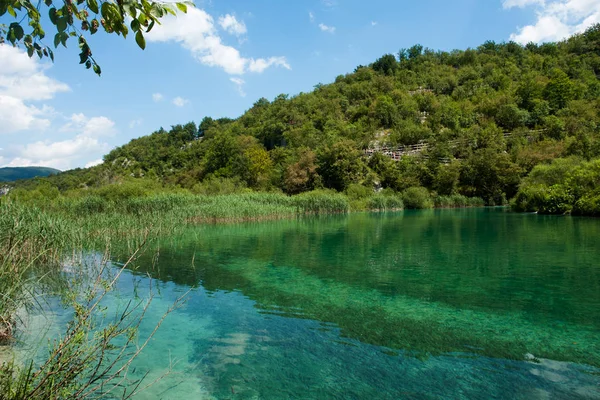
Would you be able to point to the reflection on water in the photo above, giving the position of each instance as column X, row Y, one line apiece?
column 437, row 304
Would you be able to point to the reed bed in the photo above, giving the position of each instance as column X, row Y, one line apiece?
column 457, row 201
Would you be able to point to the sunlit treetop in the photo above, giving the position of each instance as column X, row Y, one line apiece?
column 78, row 18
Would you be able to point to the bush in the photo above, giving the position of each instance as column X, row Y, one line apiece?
column 557, row 201
column 417, row 197
column 358, row 192
column 588, row 205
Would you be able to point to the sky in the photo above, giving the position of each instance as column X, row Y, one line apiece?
column 223, row 55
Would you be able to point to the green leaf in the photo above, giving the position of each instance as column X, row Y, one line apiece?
column 182, row 7
column 97, row 69
column 52, row 15
column 51, row 53
column 30, row 51
column 56, row 40
column 63, row 38
column 105, row 10
column 61, row 24
column 17, row 31
column 139, row 39
column 93, row 6
column 12, row 11
column 135, row 25
column 83, row 57
column 48, row 2
column 88, row 64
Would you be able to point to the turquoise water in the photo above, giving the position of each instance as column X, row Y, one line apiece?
column 472, row 304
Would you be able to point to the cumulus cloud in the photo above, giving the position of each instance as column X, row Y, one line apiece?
column 555, row 19
column 68, row 153
column 180, row 101
column 23, row 81
column 62, row 154
column 196, row 32
column 239, row 85
column 91, row 127
column 157, row 97
column 325, row 28
column 232, row 26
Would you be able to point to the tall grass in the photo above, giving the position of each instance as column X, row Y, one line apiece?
column 457, row 201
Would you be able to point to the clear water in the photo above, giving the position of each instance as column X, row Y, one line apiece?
column 472, row 304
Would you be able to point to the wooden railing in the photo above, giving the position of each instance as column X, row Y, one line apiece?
column 396, row 153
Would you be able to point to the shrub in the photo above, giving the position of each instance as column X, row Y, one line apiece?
column 588, row 205
column 417, row 197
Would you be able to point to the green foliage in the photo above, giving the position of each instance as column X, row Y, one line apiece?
column 73, row 19
column 386, row 64
column 384, row 202
column 457, row 201
column 417, row 198
column 564, row 186
column 488, row 117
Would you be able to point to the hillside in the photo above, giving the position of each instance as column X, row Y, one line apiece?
column 481, row 118
column 9, row 174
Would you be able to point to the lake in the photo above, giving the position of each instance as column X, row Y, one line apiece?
column 471, row 303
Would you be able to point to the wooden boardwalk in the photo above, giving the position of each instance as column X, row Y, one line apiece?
column 396, row 153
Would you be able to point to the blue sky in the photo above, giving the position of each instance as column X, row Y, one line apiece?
column 218, row 59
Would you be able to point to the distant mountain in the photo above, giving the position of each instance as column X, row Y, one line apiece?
column 9, row 174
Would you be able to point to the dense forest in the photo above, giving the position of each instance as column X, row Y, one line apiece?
column 485, row 118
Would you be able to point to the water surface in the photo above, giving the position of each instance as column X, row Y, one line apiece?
column 472, row 304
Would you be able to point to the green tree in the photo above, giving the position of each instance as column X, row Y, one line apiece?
column 387, row 64
column 340, row 165
column 559, row 91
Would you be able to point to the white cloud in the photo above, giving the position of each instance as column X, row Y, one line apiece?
column 94, row 163
column 373, row 23
column 261, row 64
column 68, row 153
column 196, row 32
column 555, row 19
column 157, row 97
column 329, row 3
column 22, row 81
column 311, row 16
column 91, row 127
column 232, row 26
column 16, row 116
column 239, row 84
column 520, row 3
column 135, row 123
column 180, row 101
column 62, row 155
column 325, row 28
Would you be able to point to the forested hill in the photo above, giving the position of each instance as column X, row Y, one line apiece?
column 488, row 115
column 9, row 174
